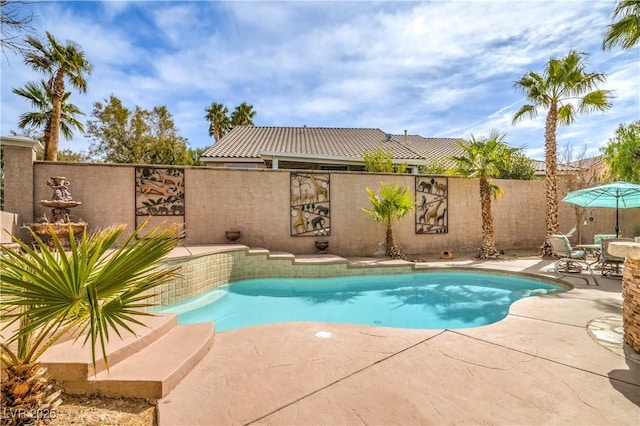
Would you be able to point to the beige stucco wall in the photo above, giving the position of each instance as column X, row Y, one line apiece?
column 10, row 224
column 19, row 154
column 107, row 192
column 257, row 202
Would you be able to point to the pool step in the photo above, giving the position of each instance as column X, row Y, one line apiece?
column 145, row 365
column 71, row 360
column 154, row 371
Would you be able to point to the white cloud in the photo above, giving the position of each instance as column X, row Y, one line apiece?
column 433, row 68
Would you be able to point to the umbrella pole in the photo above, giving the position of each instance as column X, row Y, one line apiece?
column 617, row 227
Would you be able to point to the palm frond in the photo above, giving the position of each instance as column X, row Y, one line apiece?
column 625, row 32
column 598, row 100
column 526, row 111
column 390, row 204
column 566, row 114
column 93, row 287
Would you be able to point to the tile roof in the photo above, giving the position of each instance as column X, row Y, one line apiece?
column 585, row 163
column 541, row 168
column 431, row 148
column 247, row 142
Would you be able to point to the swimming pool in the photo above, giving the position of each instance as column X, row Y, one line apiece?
column 424, row 300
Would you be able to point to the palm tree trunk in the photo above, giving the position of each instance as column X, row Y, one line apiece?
column 217, row 131
column 47, row 133
column 550, row 145
column 392, row 248
column 27, row 396
column 488, row 248
column 51, row 148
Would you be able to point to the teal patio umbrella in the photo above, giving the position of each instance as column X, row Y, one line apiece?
column 618, row 195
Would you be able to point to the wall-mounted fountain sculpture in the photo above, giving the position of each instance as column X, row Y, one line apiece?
column 60, row 221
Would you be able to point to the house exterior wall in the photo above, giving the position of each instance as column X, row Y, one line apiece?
column 257, row 202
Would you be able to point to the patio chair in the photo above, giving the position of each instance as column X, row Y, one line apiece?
column 569, row 261
column 610, row 264
column 597, row 238
column 597, row 252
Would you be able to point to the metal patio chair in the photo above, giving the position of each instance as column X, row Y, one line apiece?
column 569, row 261
column 609, row 264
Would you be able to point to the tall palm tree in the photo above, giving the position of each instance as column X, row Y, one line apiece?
column 219, row 123
column 564, row 90
column 59, row 62
column 484, row 159
column 390, row 205
column 626, row 31
column 42, row 101
column 243, row 115
column 92, row 290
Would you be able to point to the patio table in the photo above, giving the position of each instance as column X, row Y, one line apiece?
column 630, row 290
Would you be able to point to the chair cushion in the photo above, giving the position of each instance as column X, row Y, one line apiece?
column 578, row 254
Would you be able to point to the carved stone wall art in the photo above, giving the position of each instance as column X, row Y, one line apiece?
column 310, row 204
column 432, row 208
column 159, row 193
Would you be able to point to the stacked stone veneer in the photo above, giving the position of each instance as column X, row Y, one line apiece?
column 631, row 302
column 201, row 273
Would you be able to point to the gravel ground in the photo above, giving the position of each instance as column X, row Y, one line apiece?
column 95, row 410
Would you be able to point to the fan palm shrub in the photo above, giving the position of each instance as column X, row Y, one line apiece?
column 91, row 291
column 483, row 159
column 388, row 206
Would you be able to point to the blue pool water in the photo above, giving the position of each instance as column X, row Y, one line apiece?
column 431, row 300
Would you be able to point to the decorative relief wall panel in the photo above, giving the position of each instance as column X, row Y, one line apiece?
column 159, row 195
column 432, row 205
column 310, row 204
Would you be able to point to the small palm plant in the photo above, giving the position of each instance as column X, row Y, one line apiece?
column 390, row 205
column 91, row 290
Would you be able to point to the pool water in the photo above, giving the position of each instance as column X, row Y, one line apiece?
column 433, row 300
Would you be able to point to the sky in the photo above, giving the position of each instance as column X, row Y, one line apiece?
column 436, row 69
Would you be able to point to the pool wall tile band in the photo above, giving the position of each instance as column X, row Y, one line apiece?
column 199, row 274
column 205, row 271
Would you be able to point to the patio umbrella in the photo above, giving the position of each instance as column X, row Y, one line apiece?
column 618, row 195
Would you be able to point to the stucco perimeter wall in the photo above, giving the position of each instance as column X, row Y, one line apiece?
column 9, row 224
column 257, row 202
column 107, row 192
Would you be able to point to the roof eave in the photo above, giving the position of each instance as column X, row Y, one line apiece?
column 314, row 158
column 230, row 160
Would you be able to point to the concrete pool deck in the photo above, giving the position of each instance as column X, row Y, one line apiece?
column 555, row 359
